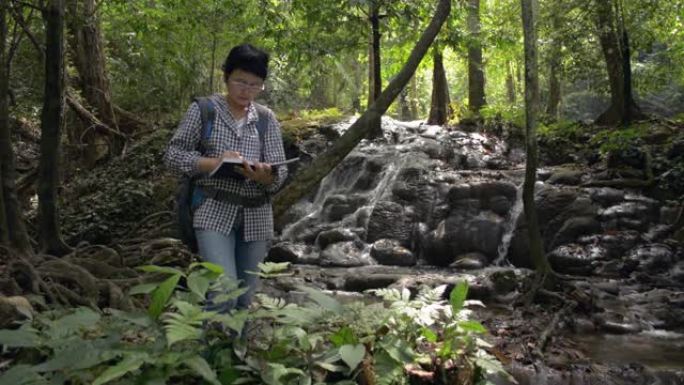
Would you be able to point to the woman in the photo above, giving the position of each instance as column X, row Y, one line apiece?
column 234, row 221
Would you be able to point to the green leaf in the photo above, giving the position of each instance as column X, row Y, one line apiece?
column 145, row 288
column 352, row 355
column 201, row 367
column 81, row 318
column 274, row 372
column 214, row 268
column 344, row 336
column 325, row 301
column 273, row 268
column 198, row 283
column 398, row 349
column 128, row 364
column 472, row 326
column 429, row 335
column 161, row 295
column 21, row 375
column 136, row 318
column 161, row 269
column 79, row 355
column 20, row 338
column 458, row 296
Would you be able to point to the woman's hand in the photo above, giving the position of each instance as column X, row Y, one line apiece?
column 260, row 172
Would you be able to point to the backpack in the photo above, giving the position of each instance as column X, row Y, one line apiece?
column 187, row 196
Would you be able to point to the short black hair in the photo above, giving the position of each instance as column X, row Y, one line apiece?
column 247, row 58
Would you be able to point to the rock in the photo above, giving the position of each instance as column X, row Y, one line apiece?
column 500, row 205
column 566, row 177
column 575, row 227
column 504, row 281
column 470, row 261
column 390, row 252
column 387, row 221
column 620, row 328
column 653, row 257
column 606, row 196
column 344, row 254
column 571, row 259
column 337, row 207
column 287, row 252
column 677, row 149
column 328, row 237
column 359, row 283
column 631, row 157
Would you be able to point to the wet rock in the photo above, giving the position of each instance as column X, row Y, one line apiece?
column 628, row 215
column 574, row 228
column 669, row 214
column 287, row 252
column 337, row 207
column 390, row 252
column 607, row 196
column 552, row 201
column 676, row 150
column 361, row 283
column 677, row 272
column 571, row 259
column 652, row 258
column 470, row 261
column 328, row 237
column 504, row 281
column 344, row 254
column 619, row 328
column 500, row 205
column 388, row 221
column 411, row 185
column 566, row 177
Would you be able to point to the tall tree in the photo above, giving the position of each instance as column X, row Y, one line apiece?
column 615, row 46
column 510, row 83
column 555, row 68
column 375, row 71
column 476, row 80
column 87, row 56
column 12, row 228
column 541, row 264
column 51, row 122
column 308, row 178
column 439, row 106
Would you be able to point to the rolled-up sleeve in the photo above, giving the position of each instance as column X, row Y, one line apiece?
column 182, row 154
column 274, row 152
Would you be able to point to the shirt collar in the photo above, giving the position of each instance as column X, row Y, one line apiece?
column 252, row 115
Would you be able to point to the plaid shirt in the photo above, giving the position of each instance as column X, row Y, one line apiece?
column 182, row 157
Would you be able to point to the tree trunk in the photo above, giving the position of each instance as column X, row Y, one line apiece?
column 541, row 264
column 52, row 119
column 510, row 83
column 309, row 177
column 554, row 67
column 87, row 55
column 439, row 106
column 376, row 73
column 615, row 47
column 413, row 96
column 404, row 106
column 476, row 93
column 12, row 228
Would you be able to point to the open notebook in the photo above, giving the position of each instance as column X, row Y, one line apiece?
column 228, row 168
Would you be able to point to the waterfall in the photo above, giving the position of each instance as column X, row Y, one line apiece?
column 509, row 228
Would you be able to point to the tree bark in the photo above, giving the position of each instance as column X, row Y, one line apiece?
column 13, row 228
column 439, row 106
column 541, row 264
column 52, row 119
column 87, row 55
column 554, row 69
column 476, row 80
column 615, row 47
column 510, row 83
column 308, row 178
column 375, row 69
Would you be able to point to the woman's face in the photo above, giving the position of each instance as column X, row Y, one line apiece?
column 243, row 87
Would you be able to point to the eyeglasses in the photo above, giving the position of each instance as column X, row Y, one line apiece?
column 252, row 87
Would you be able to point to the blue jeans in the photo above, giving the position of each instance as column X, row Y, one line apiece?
column 236, row 257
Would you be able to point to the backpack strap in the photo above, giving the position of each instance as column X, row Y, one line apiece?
column 262, row 126
column 207, row 116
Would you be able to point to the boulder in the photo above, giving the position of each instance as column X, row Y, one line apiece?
column 388, row 221
column 574, row 228
column 390, row 252
column 566, row 177
column 328, row 237
column 345, row 254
